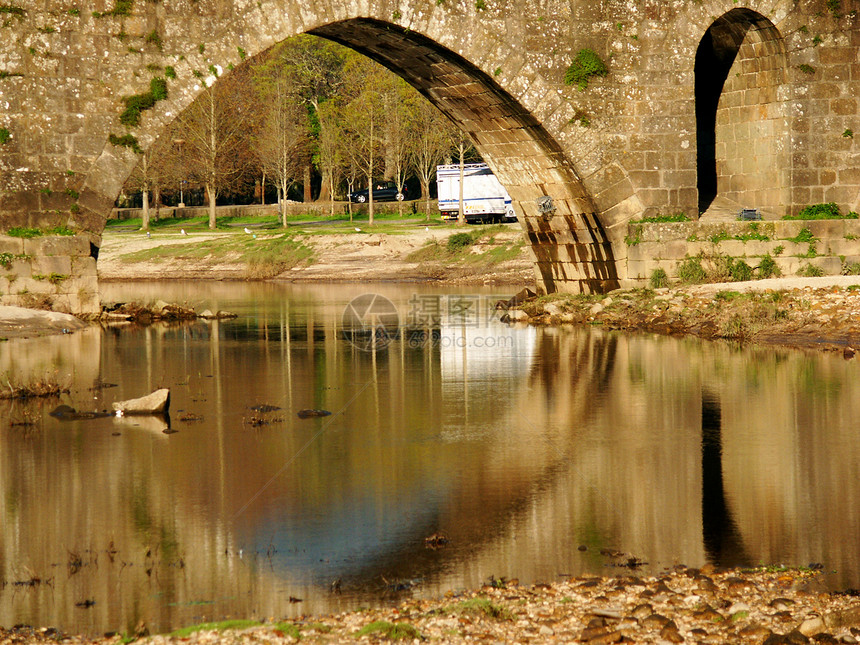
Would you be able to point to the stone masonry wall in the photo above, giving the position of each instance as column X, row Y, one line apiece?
column 52, row 272
column 833, row 249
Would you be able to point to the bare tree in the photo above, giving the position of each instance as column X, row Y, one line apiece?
column 401, row 103
column 214, row 128
column 150, row 175
column 363, row 117
column 281, row 141
column 432, row 133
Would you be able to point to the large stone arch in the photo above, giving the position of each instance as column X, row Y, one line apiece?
column 443, row 51
column 742, row 126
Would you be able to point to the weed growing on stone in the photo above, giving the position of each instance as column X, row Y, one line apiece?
column 659, row 279
column 752, row 233
column 719, row 236
column 806, row 69
column 585, row 66
column 804, row 235
column 691, row 271
column 741, row 271
column 768, row 268
column 5, row 135
column 660, row 219
column 137, row 103
column 850, row 268
column 829, row 210
column 126, row 141
column 12, row 10
column 810, row 271
column 24, row 232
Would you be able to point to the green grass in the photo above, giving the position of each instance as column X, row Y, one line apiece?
column 661, row 219
column 264, row 257
column 391, row 631
column 829, row 210
column 458, row 248
column 481, row 606
column 221, row 626
column 24, row 232
column 804, row 235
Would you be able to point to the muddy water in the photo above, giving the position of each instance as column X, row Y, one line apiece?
column 529, row 450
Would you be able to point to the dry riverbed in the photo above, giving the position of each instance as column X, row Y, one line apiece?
column 682, row 605
column 401, row 252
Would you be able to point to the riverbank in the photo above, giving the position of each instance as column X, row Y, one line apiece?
column 391, row 250
column 682, row 605
column 815, row 313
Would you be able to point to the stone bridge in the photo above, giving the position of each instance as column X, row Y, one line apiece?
column 752, row 102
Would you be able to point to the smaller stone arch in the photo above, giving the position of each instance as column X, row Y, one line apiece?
column 742, row 129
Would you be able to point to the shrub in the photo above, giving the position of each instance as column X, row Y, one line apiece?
column 810, row 271
column 690, row 270
column 586, row 65
column 659, row 279
column 830, row 210
column 850, row 268
column 460, row 241
column 741, row 271
column 768, row 268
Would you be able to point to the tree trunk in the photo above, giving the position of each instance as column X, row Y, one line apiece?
column 331, row 192
column 156, row 197
column 370, row 177
column 211, row 194
column 425, row 195
column 263, row 190
column 326, row 193
column 308, row 197
column 144, row 223
column 461, row 216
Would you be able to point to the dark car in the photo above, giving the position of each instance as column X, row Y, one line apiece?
column 383, row 191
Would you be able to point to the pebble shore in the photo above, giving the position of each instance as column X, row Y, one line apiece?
column 768, row 606
column 820, row 317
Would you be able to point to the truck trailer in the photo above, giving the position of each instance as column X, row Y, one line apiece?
column 484, row 198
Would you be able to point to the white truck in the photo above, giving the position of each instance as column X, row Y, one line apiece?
column 484, row 198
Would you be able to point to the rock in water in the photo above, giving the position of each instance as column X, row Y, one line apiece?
column 156, row 403
column 308, row 414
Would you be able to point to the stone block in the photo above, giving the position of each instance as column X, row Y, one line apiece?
column 51, row 265
column 839, row 247
column 84, row 266
column 825, row 229
column 69, row 245
column 11, row 245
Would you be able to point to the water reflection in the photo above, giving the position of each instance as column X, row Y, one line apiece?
column 520, row 445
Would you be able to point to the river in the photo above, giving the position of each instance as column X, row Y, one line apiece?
column 533, row 453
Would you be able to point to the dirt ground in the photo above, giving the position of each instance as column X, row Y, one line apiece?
column 357, row 255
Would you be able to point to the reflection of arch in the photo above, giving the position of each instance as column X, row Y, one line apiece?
column 741, row 125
